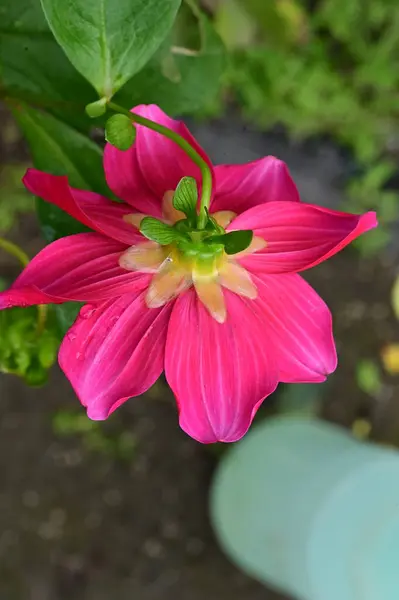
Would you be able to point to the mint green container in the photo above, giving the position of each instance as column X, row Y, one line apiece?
column 304, row 507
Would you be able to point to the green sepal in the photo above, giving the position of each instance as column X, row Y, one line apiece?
column 185, row 198
column 212, row 224
column 160, row 232
column 97, row 108
column 183, row 226
column 120, row 132
column 234, row 241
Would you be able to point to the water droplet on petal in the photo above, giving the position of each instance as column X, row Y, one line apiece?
column 71, row 336
column 87, row 311
column 79, row 356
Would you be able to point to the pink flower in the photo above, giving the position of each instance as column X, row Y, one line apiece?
column 224, row 337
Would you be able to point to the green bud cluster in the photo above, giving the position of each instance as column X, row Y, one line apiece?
column 185, row 233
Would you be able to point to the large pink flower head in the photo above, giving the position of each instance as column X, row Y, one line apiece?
column 225, row 327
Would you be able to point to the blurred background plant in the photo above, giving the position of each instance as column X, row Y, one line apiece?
column 323, row 68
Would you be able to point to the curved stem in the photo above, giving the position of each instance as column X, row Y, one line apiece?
column 23, row 258
column 15, row 251
column 184, row 145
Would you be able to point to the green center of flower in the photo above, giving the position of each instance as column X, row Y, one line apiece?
column 205, row 243
column 181, row 252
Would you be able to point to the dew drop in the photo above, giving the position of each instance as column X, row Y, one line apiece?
column 79, row 356
column 71, row 336
column 86, row 312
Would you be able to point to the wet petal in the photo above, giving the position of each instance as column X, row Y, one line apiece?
column 114, row 351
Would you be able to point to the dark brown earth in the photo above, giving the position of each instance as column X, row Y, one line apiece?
column 81, row 524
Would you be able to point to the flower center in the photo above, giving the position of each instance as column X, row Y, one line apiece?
column 198, row 260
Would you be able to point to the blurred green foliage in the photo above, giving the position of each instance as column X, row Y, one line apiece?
column 94, row 436
column 14, row 199
column 27, row 349
column 368, row 376
column 329, row 69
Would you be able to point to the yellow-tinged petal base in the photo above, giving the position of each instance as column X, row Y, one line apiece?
column 174, row 272
column 209, row 291
column 237, row 279
column 146, row 257
column 166, row 285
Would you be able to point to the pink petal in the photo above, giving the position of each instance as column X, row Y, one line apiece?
column 82, row 267
column 114, row 351
column 95, row 211
column 240, row 187
column 220, row 373
column 299, row 236
column 125, row 179
column 299, row 328
column 161, row 161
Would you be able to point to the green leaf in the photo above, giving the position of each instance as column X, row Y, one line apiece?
column 186, row 196
column 234, row 241
column 14, row 198
column 108, row 41
column 58, row 149
column 178, row 78
column 34, row 69
column 66, row 314
column 159, row 232
column 120, row 132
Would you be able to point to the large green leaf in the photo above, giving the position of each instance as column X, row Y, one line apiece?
column 108, row 41
column 180, row 79
column 58, row 149
column 33, row 68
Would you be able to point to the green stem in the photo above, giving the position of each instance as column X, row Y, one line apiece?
column 188, row 149
column 42, row 310
column 23, row 258
column 15, row 251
